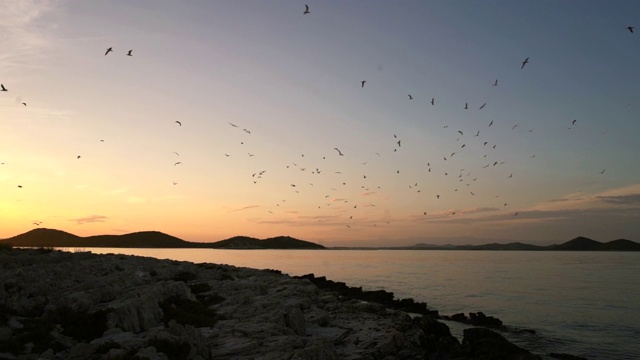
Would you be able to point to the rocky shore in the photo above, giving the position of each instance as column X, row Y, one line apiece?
column 62, row 305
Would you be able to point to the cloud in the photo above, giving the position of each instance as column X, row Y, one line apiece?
column 633, row 199
column 26, row 26
column 244, row 208
column 90, row 219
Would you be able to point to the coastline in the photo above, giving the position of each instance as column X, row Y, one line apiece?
column 110, row 306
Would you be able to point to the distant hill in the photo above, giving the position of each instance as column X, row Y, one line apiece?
column 280, row 242
column 149, row 239
column 578, row 244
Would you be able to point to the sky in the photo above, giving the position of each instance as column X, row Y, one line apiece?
column 226, row 119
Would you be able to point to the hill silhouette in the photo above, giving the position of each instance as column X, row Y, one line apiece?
column 149, row 239
column 580, row 243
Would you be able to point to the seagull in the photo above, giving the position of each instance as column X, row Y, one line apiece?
column 477, row 134
column 602, row 172
column 410, row 97
column 514, row 126
column 460, row 132
column 630, row 28
column 339, row 152
column 306, row 10
column 525, row 62
column 234, row 125
column 20, row 186
column 25, row 104
column 175, row 183
column 573, row 122
column 78, row 157
column 399, row 143
column 247, row 131
column 466, row 106
column 179, row 123
column 483, row 105
column 178, row 163
column 363, row 81
column 176, row 153
column 108, row 51
column 491, row 123
column 3, row 88
column 433, row 101
column 129, row 53
column 495, row 83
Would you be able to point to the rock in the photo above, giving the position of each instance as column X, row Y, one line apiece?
column 563, row 356
column 294, row 319
column 486, row 344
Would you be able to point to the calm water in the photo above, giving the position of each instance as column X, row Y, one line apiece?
column 582, row 303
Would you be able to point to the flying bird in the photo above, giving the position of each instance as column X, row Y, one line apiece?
column 433, row 100
column 525, row 62
column 399, row 143
column 234, row 125
column 178, row 163
column 630, row 28
column 78, row 157
column 466, row 106
column 601, row 172
column 24, row 103
column 108, row 51
column 3, row 88
column 573, row 122
column 514, row 126
column 363, row 81
column 129, row 53
column 495, row 83
column 460, row 132
column 410, row 97
column 306, row 10
column 339, row 152
column 179, row 123
column 483, row 105
column 491, row 123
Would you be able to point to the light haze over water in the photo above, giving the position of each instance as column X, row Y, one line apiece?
column 581, row 303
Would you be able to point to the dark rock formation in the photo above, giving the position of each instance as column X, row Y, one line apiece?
column 486, row 344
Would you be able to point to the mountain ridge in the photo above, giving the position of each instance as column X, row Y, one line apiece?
column 42, row 237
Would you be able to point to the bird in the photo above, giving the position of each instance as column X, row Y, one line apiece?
column 514, row 126
column 399, row 143
column 3, row 88
column 410, row 97
column 247, row 131
column 108, row 51
column 601, row 172
column 437, row 196
column 460, row 132
column 495, row 83
column 477, row 134
column 78, row 157
column 491, row 123
column 525, row 62
column 466, row 106
column 306, row 10
column 176, row 153
column 339, row 152
column 433, row 101
column 630, row 28
column 24, row 103
column 483, row 105
column 179, row 123
column 20, row 186
column 363, row 81
column 175, row 183
column 232, row 124
column 573, row 122
column 178, row 163
column 129, row 53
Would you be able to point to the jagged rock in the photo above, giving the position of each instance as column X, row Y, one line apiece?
column 486, row 344
column 294, row 319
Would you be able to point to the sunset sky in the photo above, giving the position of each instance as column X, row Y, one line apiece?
column 291, row 83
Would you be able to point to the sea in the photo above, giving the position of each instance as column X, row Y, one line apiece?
column 581, row 303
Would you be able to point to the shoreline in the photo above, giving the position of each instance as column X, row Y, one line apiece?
column 141, row 307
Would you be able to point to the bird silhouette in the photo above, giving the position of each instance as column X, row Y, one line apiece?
column 433, row 100
column 178, row 163
column 410, row 97
column 525, row 62
column 232, row 124
column 306, row 10
column 339, row 152
column 601, row 172
column 108, row 51
column 466, row 106
column 3, row 88
column 573, row 122
column 460, row 132
column 630, row 28
column 179, row 123
column 495, row 83
column 129, row 53
column 363, row 81
column 483, row 105
column 24, row 103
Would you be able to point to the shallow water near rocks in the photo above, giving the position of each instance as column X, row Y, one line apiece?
column 581, row 303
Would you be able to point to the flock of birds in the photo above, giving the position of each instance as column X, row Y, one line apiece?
column 465, row 178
